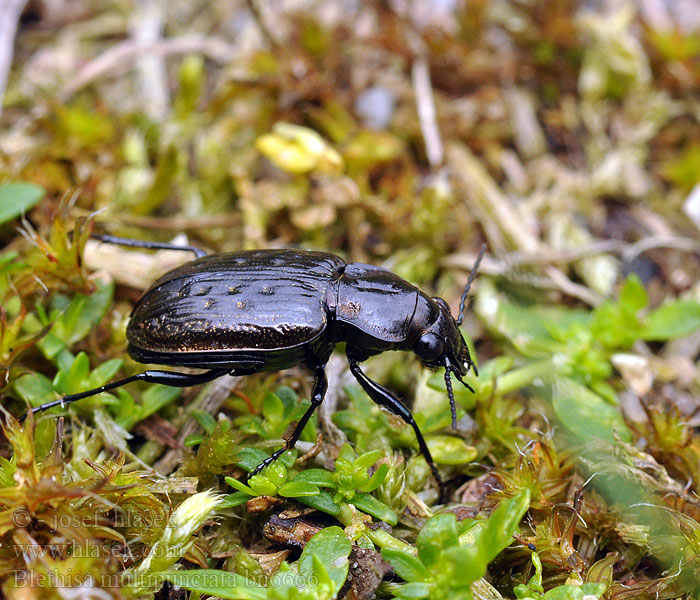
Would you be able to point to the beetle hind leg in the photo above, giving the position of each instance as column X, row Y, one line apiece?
column 169, row 378
column 317, row 396
column 385, row 398
column 111, row 239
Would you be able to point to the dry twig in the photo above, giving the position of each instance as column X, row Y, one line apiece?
column 125, row 52
column 425, row 103
column 10, row 12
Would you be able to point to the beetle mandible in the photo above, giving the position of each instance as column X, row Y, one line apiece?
column 267, row 310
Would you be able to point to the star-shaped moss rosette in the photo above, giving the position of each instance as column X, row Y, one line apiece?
column 351, row 483
column 452, row 555
column 277, row 479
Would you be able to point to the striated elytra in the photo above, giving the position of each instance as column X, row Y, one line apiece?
column 266, row 310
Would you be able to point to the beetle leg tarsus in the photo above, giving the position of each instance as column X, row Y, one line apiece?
column 111, row 239
column 317, row 396
column 385, row 398
column 169, row 378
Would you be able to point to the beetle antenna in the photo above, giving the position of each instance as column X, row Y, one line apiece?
column 450, row 393
column 465, row 293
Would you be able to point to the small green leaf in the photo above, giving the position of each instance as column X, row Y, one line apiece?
column 83, row 126
column 323, row 502
column 73, row 381
column 205, row 420
column 594, row 589
column 285, row 580
column 156, row 397
column 127, row 406
column 297, row 489
column 370, row 505
column 346, row 454
column 502, row 524
column 317, row 476
column 241, row 487
column 529, row 327
column 288, row 458
column 672, row 320
column 450, row 450
column 324, row 587
column 633, row 295
column 262, row 486
column 34, row 388
column 462, row 566
column 482, row 542
column 376, row 480
column 18, row 198
column 95, row 307
column 194, row 439
column 191, row 79
column 332, row 547
column 249, row 458
column 438, row 533
column 6, row 259
column 104, row 372
column 51, row 345
column 682, row 167
column 406, row 565
column 72, row 319
column 289, row 399
column 272, row 408
column 585, row 414
column 367, row 459
column 226, row 585
column 605, row 391
column 232, row 500
column 276, row 473
column 415, row 590
column 564, row 592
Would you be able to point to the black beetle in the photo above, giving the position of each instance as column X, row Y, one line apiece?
column 268, row 310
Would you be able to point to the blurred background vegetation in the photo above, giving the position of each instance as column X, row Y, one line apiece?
column 404, row 133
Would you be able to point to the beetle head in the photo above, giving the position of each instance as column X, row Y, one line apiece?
column 441, row 344
column 442, row 339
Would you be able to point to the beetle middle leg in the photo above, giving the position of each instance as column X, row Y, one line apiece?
column 169, row 378
column 319, row 392
column 385, row 398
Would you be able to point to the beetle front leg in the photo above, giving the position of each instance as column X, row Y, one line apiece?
column 169, row 378
column 319, row 392
column 385, row 398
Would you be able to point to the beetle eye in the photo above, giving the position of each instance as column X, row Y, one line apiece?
column 429, row 347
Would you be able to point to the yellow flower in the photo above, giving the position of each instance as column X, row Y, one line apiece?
column 297, row 149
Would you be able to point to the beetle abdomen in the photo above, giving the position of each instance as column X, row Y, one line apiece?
column 262, row 300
